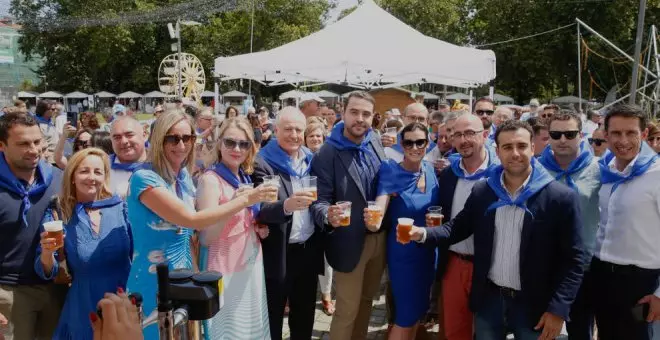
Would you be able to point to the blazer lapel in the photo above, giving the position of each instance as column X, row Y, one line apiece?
column 448, row 189
column 527, row 226
column 375, row 144
column 286, row 183
column 347, row 159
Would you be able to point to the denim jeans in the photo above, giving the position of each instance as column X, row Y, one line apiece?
column 500, row 313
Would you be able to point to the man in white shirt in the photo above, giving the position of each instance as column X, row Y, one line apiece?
column 128, row 139
column 528, row 251
column 625, row 269
column 414, row 113
column 593, row 122
column 60, row 118
column 455, row 267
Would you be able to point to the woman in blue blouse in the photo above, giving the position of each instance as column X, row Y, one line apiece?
column 161, row 207
column 408, row 189
column 98, row 243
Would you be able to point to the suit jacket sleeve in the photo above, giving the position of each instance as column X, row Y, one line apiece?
column 323, row 169
column 458, row 229
column 572, row 256
column 270, row 213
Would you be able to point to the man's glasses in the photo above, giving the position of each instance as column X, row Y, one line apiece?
column 418, row 144
column 468, row 134
column 232, row 143
column 597, row 141
column 487, row 112
column 417, row 119
column 176, row 139
column 556, row 135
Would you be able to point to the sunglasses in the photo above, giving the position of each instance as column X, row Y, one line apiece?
column 418, row 144
column 176, row 139
column 597, row 141
column 482, row 112
column 570, row 135
column 82, row 144
column 547, row 115
column 232, row 143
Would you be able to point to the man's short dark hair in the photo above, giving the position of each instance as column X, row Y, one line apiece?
column 482, row 99
column 626, row 111
column 565, row 115
column 361, row 95
column 10, row 120
column 537, row 125
column 437, row 116
column 42, row 107
column 513, row 125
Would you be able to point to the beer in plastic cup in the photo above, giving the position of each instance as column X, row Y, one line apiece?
column 391, row 132
column 374, row 214
column 55, row 229
column 309, row 185
column 435, row 215
column 403, row 230
column 273, row 180
column 245, row 186
column 345, row 219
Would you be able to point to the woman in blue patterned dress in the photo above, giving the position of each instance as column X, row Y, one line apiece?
column 98, row 243
column 161, row 207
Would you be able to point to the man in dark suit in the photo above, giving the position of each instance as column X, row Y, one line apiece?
column 293, row 253
column 528, row 252
column 347, row 167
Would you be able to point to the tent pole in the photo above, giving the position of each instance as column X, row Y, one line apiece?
column 470, row 91
column 638, row 50
column 579, row 64
column 628, row 95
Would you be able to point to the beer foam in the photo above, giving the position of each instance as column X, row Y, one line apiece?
column 53, row 226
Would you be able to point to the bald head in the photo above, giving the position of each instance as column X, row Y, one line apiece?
column 468, row 122
column 416, row 112
column 469, row 136
column 290, row 114
column 501, row 115
column 128, row 137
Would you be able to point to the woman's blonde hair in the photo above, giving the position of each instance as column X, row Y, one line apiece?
column 314, row 126
column 68, row 197
column 159, row 162
column 242, row 124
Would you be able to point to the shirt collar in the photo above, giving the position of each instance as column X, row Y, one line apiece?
column 517, row 192
column 483, row 165
column 628, row 168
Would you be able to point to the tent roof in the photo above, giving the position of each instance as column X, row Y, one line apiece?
column 459, row 96
column 327, row 94
column 50, row 94
column 207, row 94
column 77, row 95
column 26, row 94
column 336, row 54
column 293, row 94
column 429, row 96
column 129, row 94
column 155, row 94
column 234, row 94
column 499, row 98
column 568, row 100
column 105, row 94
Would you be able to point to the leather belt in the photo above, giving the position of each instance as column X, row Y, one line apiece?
column 504, row 291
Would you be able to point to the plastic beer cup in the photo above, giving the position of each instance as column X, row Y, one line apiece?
column 403, row 230
column 55, row 229
column 435, row 215
column 345, row 219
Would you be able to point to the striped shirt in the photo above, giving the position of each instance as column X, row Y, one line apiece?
column 505, row 264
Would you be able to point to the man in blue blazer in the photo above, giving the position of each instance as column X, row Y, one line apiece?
column 347, row 167
column 528, row 252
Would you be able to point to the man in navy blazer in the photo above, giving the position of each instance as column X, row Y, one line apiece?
column 528, row 252
column 346, row 168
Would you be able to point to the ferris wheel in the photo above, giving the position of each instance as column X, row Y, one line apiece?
column 193, row 79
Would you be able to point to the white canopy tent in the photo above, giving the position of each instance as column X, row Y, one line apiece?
column 155, row 94
column 77, row 96
column 207, row 94
column 293, row 94
column 105, row 94
column 429, row 96
column 129, row 94
column 50, row 94
column 500, row 98
column 26, row 94
column 235, row 94
column 327, row 94
column 338, row 55
column 458, row 96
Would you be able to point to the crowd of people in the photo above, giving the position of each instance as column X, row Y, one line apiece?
column 485, row 220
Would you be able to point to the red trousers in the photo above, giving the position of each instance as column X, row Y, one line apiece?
column 456, row 285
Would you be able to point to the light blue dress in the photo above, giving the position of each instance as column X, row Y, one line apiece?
column 156, row 240
column 98, row 264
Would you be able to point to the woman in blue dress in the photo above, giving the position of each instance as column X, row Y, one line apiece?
column 408, row 189
column 161, row 207
column 98, row 243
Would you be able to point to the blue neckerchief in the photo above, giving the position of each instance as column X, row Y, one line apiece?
column 583, row 160
column 275, row 156
column 538, row 180
column 80, row 212
column 645, row 159
column 41, row 120
column 393, row 178
column 221, row 170
column 455, row 163
column 130, row 167
column 181, row 181
column 9, row 182
column 491, row 135
column 398, row 147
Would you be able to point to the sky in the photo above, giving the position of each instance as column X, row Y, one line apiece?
column 4, row 7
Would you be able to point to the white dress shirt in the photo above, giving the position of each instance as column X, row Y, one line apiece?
column 302, row 225
column 629, row 228
column 505, row 264
column 589, row 128
column 461, row 194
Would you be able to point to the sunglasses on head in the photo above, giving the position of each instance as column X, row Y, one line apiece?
column 176, row 139
column 419, row 143
column 597, row 141
column 482, row 112
column 556, row 135
column 231, row 144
